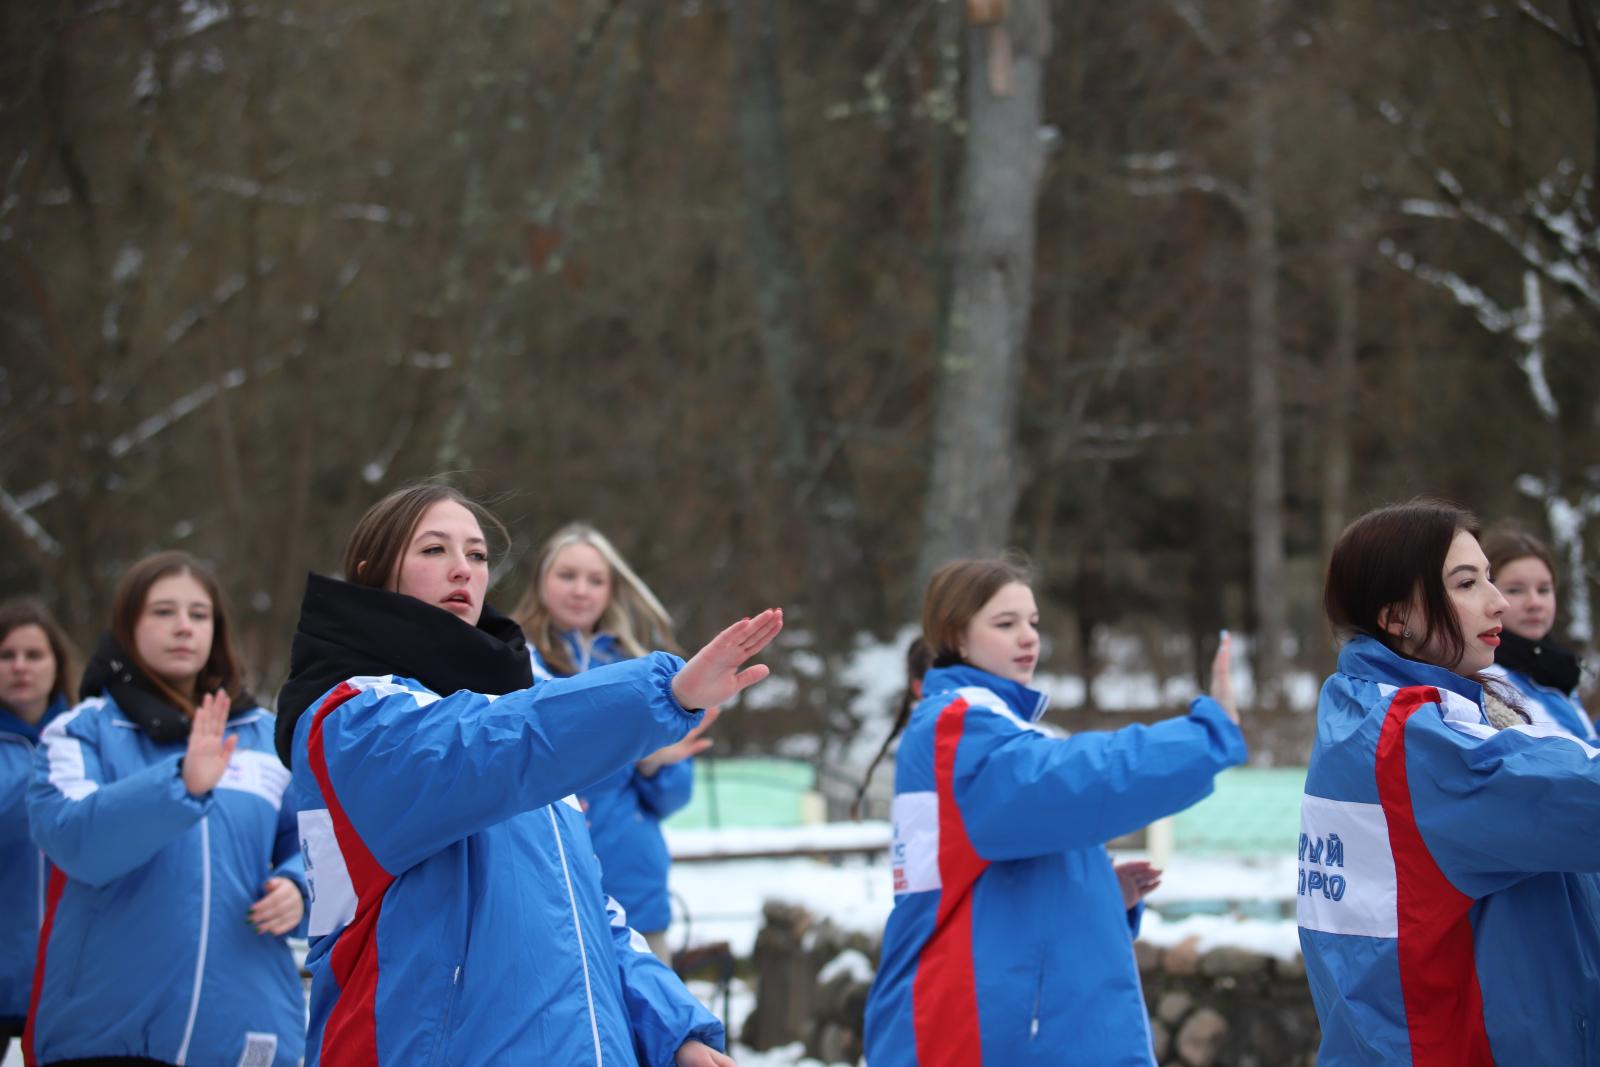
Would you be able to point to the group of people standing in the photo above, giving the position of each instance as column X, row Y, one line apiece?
column 426, row 806
column 460, row 810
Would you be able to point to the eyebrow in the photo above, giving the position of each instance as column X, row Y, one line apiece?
column 1458, row 568
column 444, row 537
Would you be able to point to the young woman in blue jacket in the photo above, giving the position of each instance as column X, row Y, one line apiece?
column 35, row 686
column 1544, row 672
column 1449, row 910
column 587, row 607
column 457, row 915
column 1010, row 941
column 159, row 801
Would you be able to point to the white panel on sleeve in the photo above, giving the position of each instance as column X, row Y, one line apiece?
column 1347, row 879
column 67, row 771
column 332, row 894
column 914, row 848
column 256, row 773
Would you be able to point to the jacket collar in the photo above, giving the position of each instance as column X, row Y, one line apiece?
column 1029, row 704
column 111, row 672
column 1367, row 658
column 349, row 631
column 591, row 651
column 15, row 724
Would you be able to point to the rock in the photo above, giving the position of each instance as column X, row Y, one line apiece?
column 1182, row 958
column 1234, row 962
column 1148, row 956
column 1201, row 1038
column 1160, row 1039
column 1293, row 970
column 1172, row 1007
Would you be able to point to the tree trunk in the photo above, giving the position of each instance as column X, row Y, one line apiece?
column 974, row 481
column 1266, row 404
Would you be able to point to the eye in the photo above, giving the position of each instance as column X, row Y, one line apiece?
column 478, row 555
column 433, row 550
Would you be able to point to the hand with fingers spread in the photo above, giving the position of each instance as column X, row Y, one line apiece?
column 209, row 752
column 712, row 675
column 1222, row 677
column 280, row 908
column 692, row 745
column 699, row 1054
column 1137, row 879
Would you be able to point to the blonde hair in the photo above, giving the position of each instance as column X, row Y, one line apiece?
column 633, row 615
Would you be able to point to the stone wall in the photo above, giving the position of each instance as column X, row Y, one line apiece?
column 1223, row 1008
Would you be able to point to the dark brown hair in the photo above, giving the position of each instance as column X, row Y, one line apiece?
column 1507, row 544
column 919, row 657
column 380, row 537
column 15, row 614
column 221, row 669
column 958, row 591
column 1390, row 556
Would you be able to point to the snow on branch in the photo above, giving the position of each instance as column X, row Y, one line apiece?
column 28, row 525
column 1163, row 174
column 1532, row 11
column 173, row 412
column 1530, row 331
column 1491, row 315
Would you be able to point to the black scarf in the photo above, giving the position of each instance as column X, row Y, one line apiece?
column 347, row 631
column 113, row 673
column 1544, row 661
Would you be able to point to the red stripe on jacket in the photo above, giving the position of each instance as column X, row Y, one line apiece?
column 52, row 897
column 944, row 993
column 1438, row 970
column 350, row 1036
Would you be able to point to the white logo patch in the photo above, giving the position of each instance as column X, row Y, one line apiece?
column 333, row 896
column 259, row 1049
column 1347, row 880
column 257, row 773
column 914, row 849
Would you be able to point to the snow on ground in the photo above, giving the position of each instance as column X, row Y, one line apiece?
column 1243, row 901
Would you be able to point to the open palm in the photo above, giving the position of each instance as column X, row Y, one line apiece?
column 712, row 675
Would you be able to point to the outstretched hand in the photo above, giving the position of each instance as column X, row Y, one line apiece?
column 691, row 745
column 712, row 675
column 1222, row 677
column 209, row 752
column 1137, row 879
column 699, row 1054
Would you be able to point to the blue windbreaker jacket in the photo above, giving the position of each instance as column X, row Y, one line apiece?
column 1549, row 707
column 457, row 915
column 1440, row 916
column 23, row 869
column 1009, row 943
column 625, row 809
column 148, row 950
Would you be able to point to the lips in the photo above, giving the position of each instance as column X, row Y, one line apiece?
column 461, row 599
column 1490, row 637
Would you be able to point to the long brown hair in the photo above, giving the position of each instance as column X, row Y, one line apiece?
column 633, row 615
column 221, row 669
column 1387, row 557
column 379, row 540
column 919, row 657
column 26, row 611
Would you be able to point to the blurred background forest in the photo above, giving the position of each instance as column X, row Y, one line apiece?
column 797, row 299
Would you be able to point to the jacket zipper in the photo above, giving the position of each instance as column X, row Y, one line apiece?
column 572, row 899
column 205, row 933
column 444, row 1024
column 1038, row 997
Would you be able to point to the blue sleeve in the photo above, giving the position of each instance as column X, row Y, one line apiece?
column 414, row 772
column 97, row 830
column 1494, row 807
column 1135, row 919
column 16, row 765
column 666, row 791
column 662, row 1013
column 1022, row 793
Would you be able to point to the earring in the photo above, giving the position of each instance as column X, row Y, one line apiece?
column 1405, row 634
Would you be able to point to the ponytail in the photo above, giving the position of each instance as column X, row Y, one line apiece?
column 919, row 657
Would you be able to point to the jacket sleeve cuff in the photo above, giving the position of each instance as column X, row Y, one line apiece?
column 1225, row 734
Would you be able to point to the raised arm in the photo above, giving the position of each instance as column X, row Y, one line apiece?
column 413, row 772
column 95, row 829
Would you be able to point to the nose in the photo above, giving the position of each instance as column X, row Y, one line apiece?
column 1499, row 604
column 460, row 569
